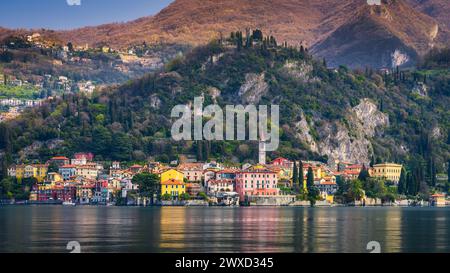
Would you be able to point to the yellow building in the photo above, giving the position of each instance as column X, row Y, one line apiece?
column 51, row 180
column 173, row 187
column 172, row 174
column 389, row 171
column 38, row 171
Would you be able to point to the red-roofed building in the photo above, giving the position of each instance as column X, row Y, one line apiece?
column 193, row 189
column 283, row 163
column 136, row 169
column 59, row 161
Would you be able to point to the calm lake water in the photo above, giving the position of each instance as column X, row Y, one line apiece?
column 117, row 229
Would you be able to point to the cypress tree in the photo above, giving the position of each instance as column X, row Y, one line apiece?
column 364, row 174
column 295, row 176
column 402, row 184
column 448, row 177
column 301, row 176
column 310, row 178
column 206, row 150
column 410, row 188
column 432, row 172
column 199, row 151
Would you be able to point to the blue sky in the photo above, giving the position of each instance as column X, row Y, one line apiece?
column 58, row 14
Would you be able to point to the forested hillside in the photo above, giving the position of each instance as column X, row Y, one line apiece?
column 326, row 114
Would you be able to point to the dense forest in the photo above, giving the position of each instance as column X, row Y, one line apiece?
column 131, row 121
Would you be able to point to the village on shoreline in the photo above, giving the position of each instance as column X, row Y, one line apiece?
column 82, row 181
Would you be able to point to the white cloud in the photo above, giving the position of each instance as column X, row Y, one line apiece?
column 74, row 2
column 374, row 2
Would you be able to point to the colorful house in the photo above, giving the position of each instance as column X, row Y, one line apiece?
column 173, row 187
column 223, row 185
column 68, row 171
column 172, row 174
column 389, row 171
column 193, row 172
column 257, row 181
column 193, row 189
column 59, row 161
column 38, row 171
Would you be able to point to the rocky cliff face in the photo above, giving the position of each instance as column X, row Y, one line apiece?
column 300, row 70
column 253, row 89
column 348, row 140
column 303, row 133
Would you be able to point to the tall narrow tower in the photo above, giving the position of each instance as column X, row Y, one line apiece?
column 262, row 152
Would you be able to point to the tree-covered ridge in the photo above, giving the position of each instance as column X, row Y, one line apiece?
column 131, row 122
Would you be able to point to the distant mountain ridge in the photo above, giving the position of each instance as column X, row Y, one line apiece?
column 343, row 32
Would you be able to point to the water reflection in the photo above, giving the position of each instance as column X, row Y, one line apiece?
column 49, row 229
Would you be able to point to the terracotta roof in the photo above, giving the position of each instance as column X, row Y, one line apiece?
column 191, row 166
column 172, row 182
column 193, row 185
column 68, row 166
column 59, row 158
column 328, row 183
column 354, row 166
column 351, row 172
column 438, row 195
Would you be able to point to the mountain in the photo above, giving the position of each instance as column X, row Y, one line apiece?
column 325, row 114
column 388, row 35
column 438, row 10
column 345, row 32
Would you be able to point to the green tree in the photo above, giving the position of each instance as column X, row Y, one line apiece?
column 411, row 185
column 364, row 174
column 185, row 196
column 70, row 46
column 148, row 184
column 313, row 195
column 121, row 147
column 203, row 196
column 295, row 177
column 166, row 197
column 402, row 184
column 102, row 140
column 355, row 191
column 448, row 177
column 257, row 35
column 301, row 176
column 199, row 150
column 310, row 178
column 6, row 188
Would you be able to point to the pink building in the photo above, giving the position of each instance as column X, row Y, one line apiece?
column 88, row 156
column 257, row 181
